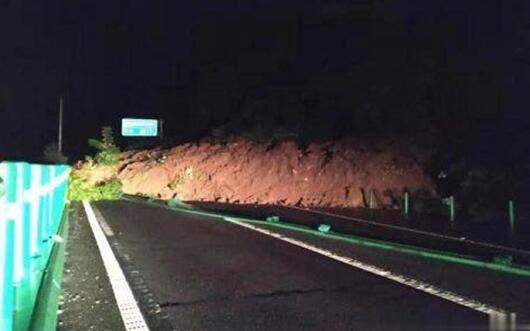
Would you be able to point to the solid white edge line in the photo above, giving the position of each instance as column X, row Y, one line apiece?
column 131, row 315
column 103, row 224
column 495, row 313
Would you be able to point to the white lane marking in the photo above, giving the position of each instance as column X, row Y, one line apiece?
column 130, row 312
column 416, row 284
column 103, row 223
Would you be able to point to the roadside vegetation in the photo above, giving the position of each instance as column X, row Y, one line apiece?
column 53, row 155
column 107, row 156
column 107, row 150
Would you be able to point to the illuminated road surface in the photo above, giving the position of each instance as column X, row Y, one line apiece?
column 197, row 273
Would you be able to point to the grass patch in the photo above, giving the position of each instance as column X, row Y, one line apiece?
column 81, row 189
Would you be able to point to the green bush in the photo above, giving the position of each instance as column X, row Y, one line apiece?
column 108, row 152
column 80, row 189
column 53, row 155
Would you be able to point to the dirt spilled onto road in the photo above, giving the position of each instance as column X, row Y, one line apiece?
column 340, row 173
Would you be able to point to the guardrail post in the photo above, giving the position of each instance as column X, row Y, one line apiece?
column 406, row 204
column 7, row 250
column 35, row 211
column 502, row 321
column 19, row 213
column 513, row 321
column 51, row 212
column 371, row 199
column 26, row 219
column 23, row 290
column 498, row 322
column 452, row 209
column 8, row 233
column 511, row 215
column 56, row 201
column 44, row 216
column 15, row 196
column 59, row 197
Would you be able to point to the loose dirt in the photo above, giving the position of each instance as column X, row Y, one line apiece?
column 333, row 174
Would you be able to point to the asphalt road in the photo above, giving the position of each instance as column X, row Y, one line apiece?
column 197, row 273
column 87, row 302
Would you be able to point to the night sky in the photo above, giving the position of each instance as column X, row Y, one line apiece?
column 200, row 64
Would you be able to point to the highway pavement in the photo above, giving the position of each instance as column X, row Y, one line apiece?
column 193, row 272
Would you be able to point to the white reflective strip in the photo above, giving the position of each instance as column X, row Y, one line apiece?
column 34, row 211
column 49, row 190
column 410, row 282
column 129, row 310
column 36, row 192
column 12, row 210
column 17, row 215
column 3, row 228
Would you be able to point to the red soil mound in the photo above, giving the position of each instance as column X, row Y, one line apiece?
column 239, row 171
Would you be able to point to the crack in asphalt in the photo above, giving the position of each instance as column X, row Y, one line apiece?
column 253, row 296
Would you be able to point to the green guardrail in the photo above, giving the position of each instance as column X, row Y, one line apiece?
column 32, row 201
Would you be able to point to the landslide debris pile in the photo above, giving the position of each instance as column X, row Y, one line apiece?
column 278, row 172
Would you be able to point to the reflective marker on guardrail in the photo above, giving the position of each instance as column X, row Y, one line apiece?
column 511, row 215
column 406, row 204
column 34, row 210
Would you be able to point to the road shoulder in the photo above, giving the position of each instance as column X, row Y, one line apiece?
column 87, row 301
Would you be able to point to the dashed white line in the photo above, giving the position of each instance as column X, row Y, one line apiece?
column 131, row 315
column 499, row 319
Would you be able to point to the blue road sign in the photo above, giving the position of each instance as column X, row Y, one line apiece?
column 135, row 127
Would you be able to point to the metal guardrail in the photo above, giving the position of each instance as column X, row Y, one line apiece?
column 32, row 201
